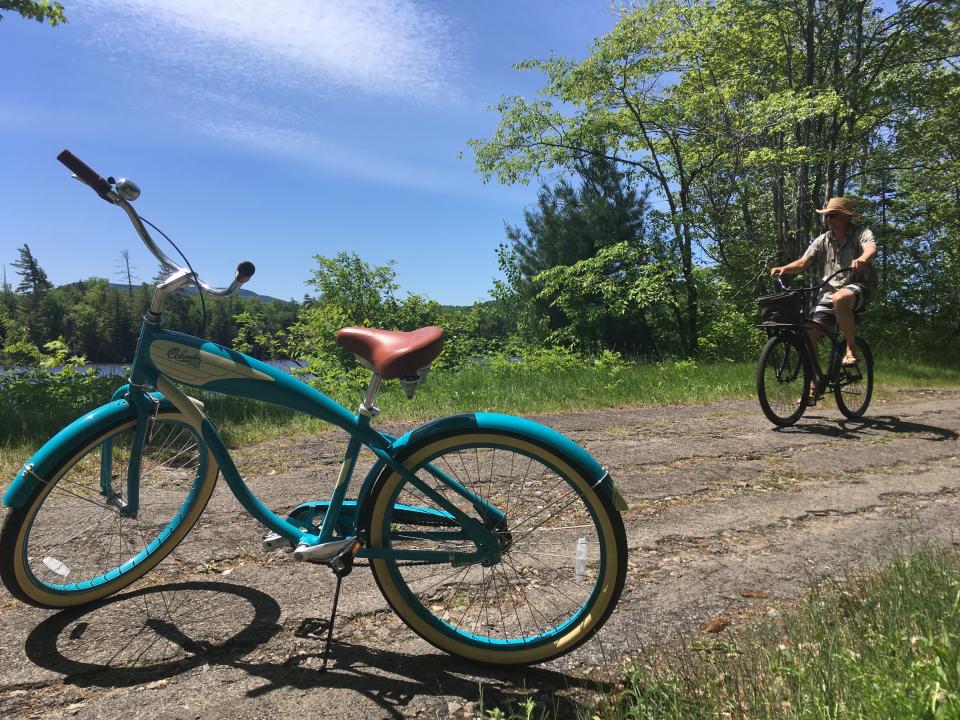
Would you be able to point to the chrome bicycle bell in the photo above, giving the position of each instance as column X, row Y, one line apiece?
column 128, row 189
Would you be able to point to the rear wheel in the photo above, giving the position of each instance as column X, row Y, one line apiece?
column 854, row 386
column 559, row 568
column 71, row 543
column 783, row 379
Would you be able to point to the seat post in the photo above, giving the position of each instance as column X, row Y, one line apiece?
column 367, row 406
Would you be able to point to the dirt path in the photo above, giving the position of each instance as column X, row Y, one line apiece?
column 720, row 503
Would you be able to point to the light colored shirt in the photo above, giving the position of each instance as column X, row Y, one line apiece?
column 829, row 256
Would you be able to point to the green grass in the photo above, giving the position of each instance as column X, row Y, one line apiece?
column 518, row 390
column 884, row 645
column 915, row 372
column 480, row 389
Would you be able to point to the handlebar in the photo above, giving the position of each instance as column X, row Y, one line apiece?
column 86, row 174
column 810, row 288
column 104, row 188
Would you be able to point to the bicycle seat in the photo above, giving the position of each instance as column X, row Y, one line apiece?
column 392, row 354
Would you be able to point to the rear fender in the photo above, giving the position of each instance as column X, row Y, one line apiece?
column 527, row 429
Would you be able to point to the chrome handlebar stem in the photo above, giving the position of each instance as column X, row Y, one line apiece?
column 179, row 276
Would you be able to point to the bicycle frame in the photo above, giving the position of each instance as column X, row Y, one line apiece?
column 823, row 379
column 164, row 356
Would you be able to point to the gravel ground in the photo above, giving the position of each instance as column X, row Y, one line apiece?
column 728, row 518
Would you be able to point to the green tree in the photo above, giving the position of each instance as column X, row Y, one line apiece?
column 572, row 222
column 33, row 278
column 39, row 10
column 36, row 310
column 606, row 299
column 743, row 116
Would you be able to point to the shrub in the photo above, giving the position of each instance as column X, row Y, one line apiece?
column 48, row 389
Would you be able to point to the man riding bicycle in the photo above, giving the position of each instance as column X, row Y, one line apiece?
column 845, row 244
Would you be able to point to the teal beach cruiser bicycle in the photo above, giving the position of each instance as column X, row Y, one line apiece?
column 493, row 537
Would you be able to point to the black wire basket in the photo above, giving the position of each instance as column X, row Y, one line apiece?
column 781, row 308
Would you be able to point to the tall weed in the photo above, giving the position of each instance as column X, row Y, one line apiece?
column 883, row 645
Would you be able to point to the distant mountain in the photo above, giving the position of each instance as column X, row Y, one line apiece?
column 192, row 290
column 242, row 292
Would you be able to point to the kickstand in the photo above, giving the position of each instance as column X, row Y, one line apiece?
column 333, row 614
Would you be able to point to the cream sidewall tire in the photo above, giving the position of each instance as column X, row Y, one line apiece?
column 609, row 585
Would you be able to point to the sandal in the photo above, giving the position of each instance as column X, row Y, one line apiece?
column 849, row 361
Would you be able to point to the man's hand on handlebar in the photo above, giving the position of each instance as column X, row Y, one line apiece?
column 797, row 266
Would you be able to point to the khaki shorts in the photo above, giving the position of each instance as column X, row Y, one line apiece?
column 824, row 314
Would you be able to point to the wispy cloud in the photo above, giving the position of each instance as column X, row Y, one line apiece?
column 395, row 48
column 306, row 149
column 257, row 75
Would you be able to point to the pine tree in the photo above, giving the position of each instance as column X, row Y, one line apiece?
column 34, row 280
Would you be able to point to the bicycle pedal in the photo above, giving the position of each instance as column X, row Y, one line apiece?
column 342, row 564
column 272, row 540
column 324, row 552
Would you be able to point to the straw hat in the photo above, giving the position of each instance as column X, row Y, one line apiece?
column 840, row 205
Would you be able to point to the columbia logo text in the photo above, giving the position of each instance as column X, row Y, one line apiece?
column 185, row 356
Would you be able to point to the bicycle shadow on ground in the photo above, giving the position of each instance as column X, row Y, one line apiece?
column 853, row 429
column 153, row 633
column 159, row 632
column 393, row 680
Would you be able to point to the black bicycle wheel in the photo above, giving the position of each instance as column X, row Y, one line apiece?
column 783, row 379
column 854, row 386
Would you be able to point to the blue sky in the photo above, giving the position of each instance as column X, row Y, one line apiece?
column 273, row 131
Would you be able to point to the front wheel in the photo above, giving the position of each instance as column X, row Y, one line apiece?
column 72, row 543
column 560, row 562
column 783, row 379
column 854, row 386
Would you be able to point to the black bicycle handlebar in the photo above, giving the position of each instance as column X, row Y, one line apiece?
column 245, row 271
column 86, row 174
column 810, row 288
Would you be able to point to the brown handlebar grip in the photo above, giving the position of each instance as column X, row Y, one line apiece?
column 85, row 173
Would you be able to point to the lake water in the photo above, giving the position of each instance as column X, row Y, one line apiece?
column 120, row 369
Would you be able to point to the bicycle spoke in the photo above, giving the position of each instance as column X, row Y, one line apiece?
column 528, row 590
column 68, row 546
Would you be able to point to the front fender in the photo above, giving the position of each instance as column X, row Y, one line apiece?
column 528, row 429
column 77, row 434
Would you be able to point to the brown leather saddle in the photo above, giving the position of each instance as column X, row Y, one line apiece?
column 392, row 354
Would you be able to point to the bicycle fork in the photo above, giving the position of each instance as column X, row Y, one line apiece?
column 147, row 406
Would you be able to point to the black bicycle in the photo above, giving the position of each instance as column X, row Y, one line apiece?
column 789, row 363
